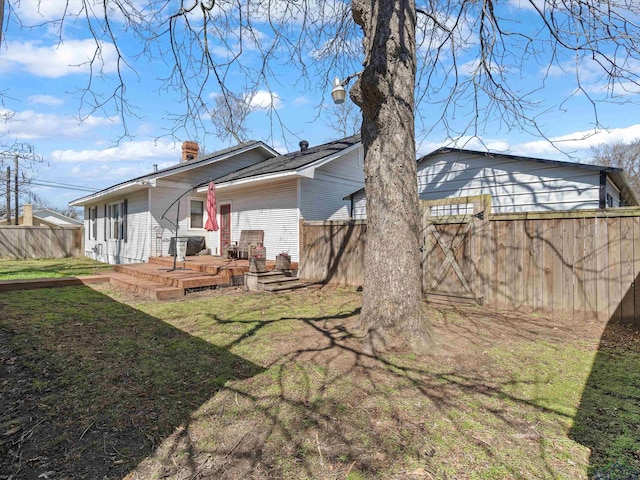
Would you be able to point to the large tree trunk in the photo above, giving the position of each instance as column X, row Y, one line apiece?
column 392, row 309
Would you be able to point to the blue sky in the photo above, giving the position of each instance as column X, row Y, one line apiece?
column 42, row 76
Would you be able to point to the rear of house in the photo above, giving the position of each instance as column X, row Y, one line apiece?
column 256, row 189
column 135, row 219
column 275, row 195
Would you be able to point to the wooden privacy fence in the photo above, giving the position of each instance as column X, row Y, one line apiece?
column 40, row 242
column 582, row 263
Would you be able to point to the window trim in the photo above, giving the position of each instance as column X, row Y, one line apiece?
column 203, row 201
column 92, row 227
column 116, row 214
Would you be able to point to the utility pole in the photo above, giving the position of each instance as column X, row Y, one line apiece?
column 15, row 178
column 8, row 195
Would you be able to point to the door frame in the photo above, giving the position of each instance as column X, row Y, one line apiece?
column 221, row 223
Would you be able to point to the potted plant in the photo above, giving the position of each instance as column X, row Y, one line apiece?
column 283, row 261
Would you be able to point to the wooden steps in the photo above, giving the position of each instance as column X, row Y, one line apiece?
column 182, row 278
column 273, row 281
column 147, row 288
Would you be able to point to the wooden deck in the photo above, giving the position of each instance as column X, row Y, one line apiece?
column 158, row 279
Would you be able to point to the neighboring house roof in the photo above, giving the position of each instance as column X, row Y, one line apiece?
column 50, row 217
column 617, row 175
column 138, row 183
column 292, row 162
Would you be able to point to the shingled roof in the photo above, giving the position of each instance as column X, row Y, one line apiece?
column 291, row 161
column 181, row 166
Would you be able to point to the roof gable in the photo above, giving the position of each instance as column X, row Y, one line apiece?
column 140, row 182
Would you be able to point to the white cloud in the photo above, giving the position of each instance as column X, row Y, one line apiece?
column 576, row 145
column 577, row 141
column 58, row 60
column 167, row 153
column 301, row 101
column 29, row 125
column 263, row 100
column 45, row 100
column 617, row 89
column 37, row 12
column 527, row 5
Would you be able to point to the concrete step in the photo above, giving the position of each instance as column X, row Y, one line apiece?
column 275, row 275
column 283, row 287
column 148, row 288
column 277, row 280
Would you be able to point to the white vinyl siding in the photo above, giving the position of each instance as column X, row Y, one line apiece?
column 272, row 208
column 359, row 207
column 159, row 200
column 132, row 227
column 321, row 198
column 515, row 185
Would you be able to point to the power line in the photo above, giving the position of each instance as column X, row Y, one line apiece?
column 69, row 186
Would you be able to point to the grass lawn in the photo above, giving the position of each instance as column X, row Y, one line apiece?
column 98, row 384
column 22, row 269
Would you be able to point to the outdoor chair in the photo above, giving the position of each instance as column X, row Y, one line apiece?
column 249, row 240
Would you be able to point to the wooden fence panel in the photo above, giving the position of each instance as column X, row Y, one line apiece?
column 579, row 263
column 40, row 242
column 627, row 275
column 333, row 252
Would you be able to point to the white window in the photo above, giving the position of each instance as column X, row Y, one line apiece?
column 196, row 214
column 117, row 221
column 93, row 223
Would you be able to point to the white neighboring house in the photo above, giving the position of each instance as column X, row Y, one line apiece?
column 515, row 183
column 43, row 217
column 256, row 189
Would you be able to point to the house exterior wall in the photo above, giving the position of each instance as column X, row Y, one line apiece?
column 132, row 250
column 270, row 207
column 359, row 206
column 321, row 198
column 160, row 198
column 514, row 185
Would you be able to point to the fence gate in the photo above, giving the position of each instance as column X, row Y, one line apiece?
column 452, row 249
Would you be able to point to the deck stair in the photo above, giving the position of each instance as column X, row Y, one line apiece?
column 181, row 278
column 158, row 280
column 273, row 281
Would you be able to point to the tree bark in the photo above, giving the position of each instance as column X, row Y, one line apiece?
column 392, row 309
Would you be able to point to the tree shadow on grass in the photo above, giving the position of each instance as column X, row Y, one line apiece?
column 326, row 409
column 89, row 386
column 608, row 419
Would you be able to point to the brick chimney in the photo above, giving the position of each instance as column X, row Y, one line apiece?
column 189, row 151
column 27, row 215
